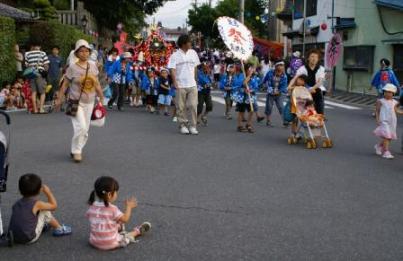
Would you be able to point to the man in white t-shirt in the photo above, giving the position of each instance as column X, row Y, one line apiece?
column 183, row 65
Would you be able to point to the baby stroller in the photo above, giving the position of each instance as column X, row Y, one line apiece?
column 4, row 149
column 309, row 123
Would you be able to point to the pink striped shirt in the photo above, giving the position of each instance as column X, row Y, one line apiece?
column 104, row 225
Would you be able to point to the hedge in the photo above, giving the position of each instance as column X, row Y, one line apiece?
column 52, row 33
column 7, row 43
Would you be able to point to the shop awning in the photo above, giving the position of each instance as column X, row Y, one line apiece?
column 394, row 4
column 267, row 46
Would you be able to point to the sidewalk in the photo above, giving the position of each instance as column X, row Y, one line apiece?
column 352, row 98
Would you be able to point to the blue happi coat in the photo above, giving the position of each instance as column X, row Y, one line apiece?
column 239, row 94
column 235, row 81
column 147, row 87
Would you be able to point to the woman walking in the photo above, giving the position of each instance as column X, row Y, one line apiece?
column 82, row 80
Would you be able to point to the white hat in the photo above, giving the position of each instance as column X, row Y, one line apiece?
column 82, row 43
column 297, row 54
column 390, row 88
column 164, row 69
column 127, row 55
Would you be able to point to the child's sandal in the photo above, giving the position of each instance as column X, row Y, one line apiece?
column 250, row 129
column 143, row 228
column 242, row 129
column 62, row 231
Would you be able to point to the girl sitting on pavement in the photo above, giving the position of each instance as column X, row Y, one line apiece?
column 107, row 221
column 386, row 109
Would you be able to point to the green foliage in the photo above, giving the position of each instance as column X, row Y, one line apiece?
column 202, row 18
column 55, row 33
column 131, row 13
column 61, row 4
column 41, row 3
column 7, row 43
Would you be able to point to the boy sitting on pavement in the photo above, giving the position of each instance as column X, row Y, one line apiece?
column 30, row 215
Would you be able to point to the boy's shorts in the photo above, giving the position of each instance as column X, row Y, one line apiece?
column 136, row 90
column 243, row 107
column 164, row 99
column 38, row 85
column 44, row 217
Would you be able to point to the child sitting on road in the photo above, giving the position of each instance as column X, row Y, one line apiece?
column 107, row 221
column 164, row 97
column 298, row 82
column 30, row 215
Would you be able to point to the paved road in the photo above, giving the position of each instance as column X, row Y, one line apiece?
column 221, row 195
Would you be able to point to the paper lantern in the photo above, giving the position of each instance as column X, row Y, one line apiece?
column 323, row 26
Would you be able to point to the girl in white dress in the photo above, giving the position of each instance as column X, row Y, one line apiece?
column 386, row 109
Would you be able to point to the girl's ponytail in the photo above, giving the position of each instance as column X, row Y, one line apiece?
column 92, row 198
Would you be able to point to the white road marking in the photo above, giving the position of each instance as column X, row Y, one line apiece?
column 344, row 106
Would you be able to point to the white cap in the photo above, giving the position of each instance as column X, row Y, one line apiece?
column 82, row 43
column 390, row 88
column 127, row 55
column 297, row 54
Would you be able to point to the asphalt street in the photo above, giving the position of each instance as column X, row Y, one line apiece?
column 221, row 195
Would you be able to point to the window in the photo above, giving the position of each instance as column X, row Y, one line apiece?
column 359, row 58
column 311, row 8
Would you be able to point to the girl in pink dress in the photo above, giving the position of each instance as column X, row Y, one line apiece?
column 386, row 109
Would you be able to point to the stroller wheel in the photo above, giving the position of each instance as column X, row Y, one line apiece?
column 311, row 144
column 327, row 143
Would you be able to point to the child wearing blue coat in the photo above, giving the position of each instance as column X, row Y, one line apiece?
column 204, row 85
column 150, row 86
column 227, row 82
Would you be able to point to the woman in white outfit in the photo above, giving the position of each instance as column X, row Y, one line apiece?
column 82, row 78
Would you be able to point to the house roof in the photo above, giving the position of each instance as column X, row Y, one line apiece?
column 17, row 14
column 394, row 4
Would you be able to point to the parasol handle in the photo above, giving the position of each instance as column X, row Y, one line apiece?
column 247, row 87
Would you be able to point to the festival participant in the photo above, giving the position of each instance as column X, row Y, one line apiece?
column 276, row 83
column 386, row 109
column 183, row 65
column 122, row 75
column 150, row 84
column 30, row 215
column 107, row 221
column 384, row 76
column 82, row 80
column 164, row 97
column 316, row 76
column 136, row 88
column 204, row 85
column 241, row 92
column 227, row 83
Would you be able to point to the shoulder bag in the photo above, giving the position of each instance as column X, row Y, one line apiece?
column 72, row 105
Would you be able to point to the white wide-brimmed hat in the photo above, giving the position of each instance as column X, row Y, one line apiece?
column 127, row 55
column 82, row 43
column 390, row 88
column 297, row 54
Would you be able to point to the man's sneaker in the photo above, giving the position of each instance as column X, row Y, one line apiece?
column 184, row 130
column 378, row 149
column 387, row 155
column 269, row 124
column 175, row 119
column 193, row 131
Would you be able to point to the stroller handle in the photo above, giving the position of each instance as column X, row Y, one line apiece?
column 8, row 120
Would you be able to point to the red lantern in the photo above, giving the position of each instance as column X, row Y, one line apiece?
column 323, row 26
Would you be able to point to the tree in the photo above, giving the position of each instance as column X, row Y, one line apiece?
column 129, row 12
column 202, row 18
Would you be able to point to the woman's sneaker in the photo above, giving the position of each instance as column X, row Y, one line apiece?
column 378, row 149
column 387, row 155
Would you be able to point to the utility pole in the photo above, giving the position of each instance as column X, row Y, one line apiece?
column 241, row 10
column 304, row 27
column 195, row 3
column 209, row 3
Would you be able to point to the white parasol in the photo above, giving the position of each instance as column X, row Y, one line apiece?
column 239, row 40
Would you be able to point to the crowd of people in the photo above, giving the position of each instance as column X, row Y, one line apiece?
column 183, row 87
